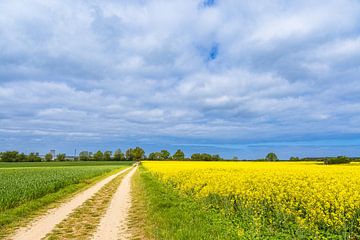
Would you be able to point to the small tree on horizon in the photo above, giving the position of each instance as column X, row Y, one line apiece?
column 48, row 157
column 119, row 155
column 84, row 156
column 164, row 154
column 179, row 155
column 135, row 154
column 294, row 159
column 271, row 157
column 107, row 156
column 61, row 157
column 98, row 156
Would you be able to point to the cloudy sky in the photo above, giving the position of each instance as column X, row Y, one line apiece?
column 221, row 76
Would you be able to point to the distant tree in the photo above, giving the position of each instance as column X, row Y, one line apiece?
column 84, row 156
column 135, row 154
column 107, row 156
column 294, row 159
column 196, row 157
column 164, row 154
column 48, row 157
column 61, row 157
column 337, row 160
column 138, row 153
column 216, row 157
column 154, row 156
column 204, row 157
column 98, row 156
column 179, row 155
column 33, row 157
column 10, row 156
column 129, row 155
column 21, row 157
column 119, row 155
column 235, row 158
column 271, row 157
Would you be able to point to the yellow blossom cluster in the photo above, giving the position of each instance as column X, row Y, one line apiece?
column 317, row 196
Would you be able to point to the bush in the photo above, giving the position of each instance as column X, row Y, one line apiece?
column 33, row 157
column 48, row 157
column 205, row 157
column 337, row 160
column 271, row 157
column 294, row 159
column 61, row 157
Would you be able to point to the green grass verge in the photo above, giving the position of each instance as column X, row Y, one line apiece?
column 13, row 218
column 169, row 215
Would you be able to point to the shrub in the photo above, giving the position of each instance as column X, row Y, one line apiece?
column 61, row 157
column 337, row 160
column 271, row 157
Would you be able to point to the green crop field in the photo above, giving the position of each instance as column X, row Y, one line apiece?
column 23, row 186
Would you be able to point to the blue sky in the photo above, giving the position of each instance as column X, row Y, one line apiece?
column 231, row 77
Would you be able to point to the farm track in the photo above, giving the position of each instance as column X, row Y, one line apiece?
column 114, row 224
column 43, row 225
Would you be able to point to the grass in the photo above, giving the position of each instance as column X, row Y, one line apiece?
column 22, row 199
column 162, row 213
column 82, row 223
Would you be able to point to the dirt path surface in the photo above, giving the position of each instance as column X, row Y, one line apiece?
column 43, row 225
column 114, row 225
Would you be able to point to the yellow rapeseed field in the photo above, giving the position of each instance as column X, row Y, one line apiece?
column 314, row 195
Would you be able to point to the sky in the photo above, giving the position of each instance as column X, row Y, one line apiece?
column 238, row 78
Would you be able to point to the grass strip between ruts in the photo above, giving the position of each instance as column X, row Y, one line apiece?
column 82, row 223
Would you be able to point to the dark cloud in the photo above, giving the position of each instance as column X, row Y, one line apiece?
column 160, row 73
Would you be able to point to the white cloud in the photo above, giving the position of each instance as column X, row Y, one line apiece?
column 142, row 69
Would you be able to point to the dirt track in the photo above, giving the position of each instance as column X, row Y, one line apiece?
column 44, row 224
column 113, row 225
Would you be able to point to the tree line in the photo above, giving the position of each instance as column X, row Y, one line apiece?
column 137, row 154
column 131, row 154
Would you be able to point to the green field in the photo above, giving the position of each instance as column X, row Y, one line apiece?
column 27, row 187
column 62, row 164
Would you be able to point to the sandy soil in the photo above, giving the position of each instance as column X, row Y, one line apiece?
column 44, row 224
column 113, row 225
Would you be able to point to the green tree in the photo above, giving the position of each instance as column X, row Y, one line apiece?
column 48, row 157
column 10, row 156
column 84, row 156
column 119, row 155
column 164, row 154
column 216, row 157
column 154, row 156
column 98, row 156
column 107, row 156
column 129, row 155
column 33, row 157
column 271, row 157
column 337, row 160
column 135, row 154
column 61, row 157
column 294, row 159
column 21, row 157
column 138, row 153
column 179, row 155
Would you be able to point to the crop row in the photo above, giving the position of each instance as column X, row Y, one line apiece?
column 19, row 185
